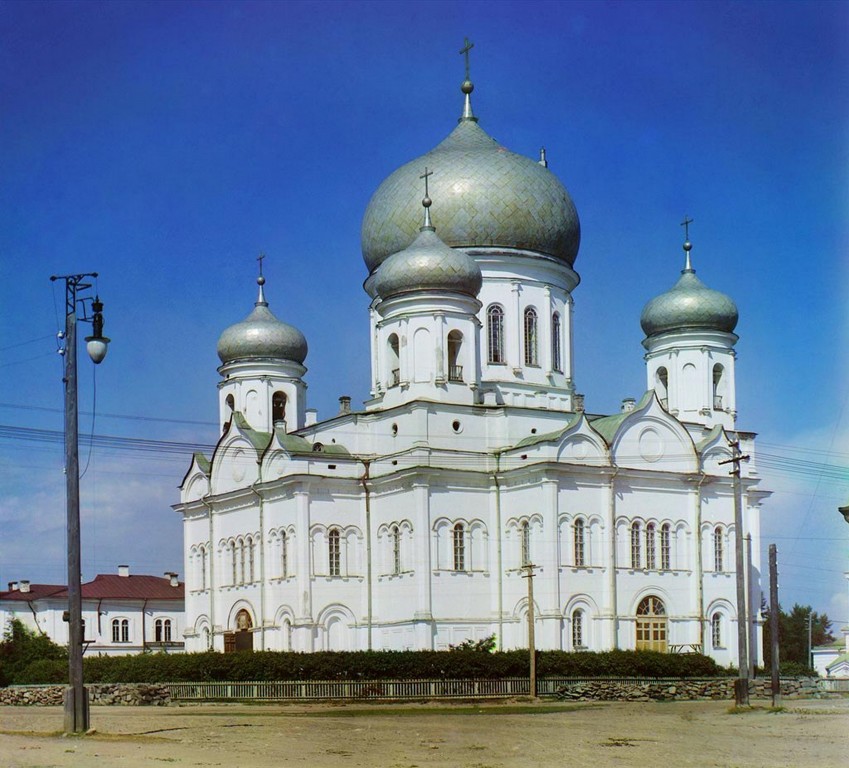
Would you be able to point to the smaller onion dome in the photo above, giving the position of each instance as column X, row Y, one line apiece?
column 689, row 304
column 262, row 336
column 428, row 264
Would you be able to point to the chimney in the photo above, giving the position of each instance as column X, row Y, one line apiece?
column 124, row 570
column 344, row 405
column 311, row 417
column 13, row 585
column 628, row 405
column 579, row 403
column 24, row 585
column 172, row 577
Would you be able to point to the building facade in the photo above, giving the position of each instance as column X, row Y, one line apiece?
column 416, row 522
column 122, row 614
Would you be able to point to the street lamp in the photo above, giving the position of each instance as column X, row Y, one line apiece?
column 76, row 696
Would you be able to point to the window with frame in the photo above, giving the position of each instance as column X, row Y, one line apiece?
column 120, row 630
column 717, row 548
column 284, row 555
column 202, row 553
column 578, row 533
column 334, row 553
column 251, row 545
column 651, row 559
column 635, row 545
column 716, row 630
column 396, row 550
column 242, row 559
column 666, row 547
column 525, row 532
column 556, row 362
column 162, row 630
column 495, row 334
column 531, row 333
column 459, row 541
column 577, row 629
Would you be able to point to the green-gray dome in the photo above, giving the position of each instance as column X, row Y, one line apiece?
column 428, row 265
column 689, row 304
column 484, row 195
column 262, row 336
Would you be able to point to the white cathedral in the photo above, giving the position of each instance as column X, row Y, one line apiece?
column 411, row 524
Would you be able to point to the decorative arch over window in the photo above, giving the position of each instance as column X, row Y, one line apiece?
column 636, row 556
column 531, row 334
column 455, row 344
column 495, row 334
column 459, row 542
column 278, row 407
column 556, row 343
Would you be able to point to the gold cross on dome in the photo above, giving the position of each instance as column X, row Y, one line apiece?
column 465, row 51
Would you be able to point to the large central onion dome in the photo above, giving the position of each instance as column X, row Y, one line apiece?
column 484, row 195
column 261, row 336
column 689, row 304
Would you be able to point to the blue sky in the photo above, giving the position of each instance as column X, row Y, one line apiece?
column 165, row 145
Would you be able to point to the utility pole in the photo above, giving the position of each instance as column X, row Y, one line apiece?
column 750, row 604
column 773, row 624
column 529, row 575
column 76, row 697
column 741, row 689
column 809, row 622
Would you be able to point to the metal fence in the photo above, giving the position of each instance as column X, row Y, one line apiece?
column 291, row 690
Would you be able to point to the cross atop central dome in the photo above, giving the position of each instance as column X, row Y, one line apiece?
column 484, row 196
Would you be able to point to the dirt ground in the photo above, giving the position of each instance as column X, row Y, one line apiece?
column 436, row 735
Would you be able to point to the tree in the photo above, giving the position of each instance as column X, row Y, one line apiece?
column 22, row 648
column 793, row 634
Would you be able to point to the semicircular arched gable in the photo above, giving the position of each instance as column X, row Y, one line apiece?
column 656, row 444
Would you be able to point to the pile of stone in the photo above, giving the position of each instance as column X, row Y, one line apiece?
column 683, row 690
column 121, row 694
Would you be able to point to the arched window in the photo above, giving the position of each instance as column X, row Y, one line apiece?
column 651, row 625
column 716, row 630
column 394, row 360
column 120, row 630
column 662, row 386
column 396, row 550
column 231, row 403
column 556, row 362
column 526, row 543
column 334, row 553
column 284, row 555
column 718, row 386
column 233, row 562
column 459, row 540
column 242, row 561
column 651, row 560
column 579, row 541
column 665, row 547
column 162, row 630
column 495, row 334
column 201, row 567
column 251, row 559
column 455, row 343
column 278, row 407
column 717, row 549
column 635, row 545
column 577, row 629
column 207, row 639
column 531, row 354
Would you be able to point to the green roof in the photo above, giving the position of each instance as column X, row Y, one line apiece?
column 548, row 437
column 711, row 436
column 608, row 426
column 203, row 463
column 259, row 440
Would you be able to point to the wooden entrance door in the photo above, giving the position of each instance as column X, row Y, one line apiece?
column 652, row 625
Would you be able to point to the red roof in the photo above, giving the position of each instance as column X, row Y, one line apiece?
column 36, row 592
column 107, row 587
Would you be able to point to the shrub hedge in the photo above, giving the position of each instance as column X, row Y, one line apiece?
column 370, row 665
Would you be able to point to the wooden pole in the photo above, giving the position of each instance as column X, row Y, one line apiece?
column 531, row 639
column 773, row 624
